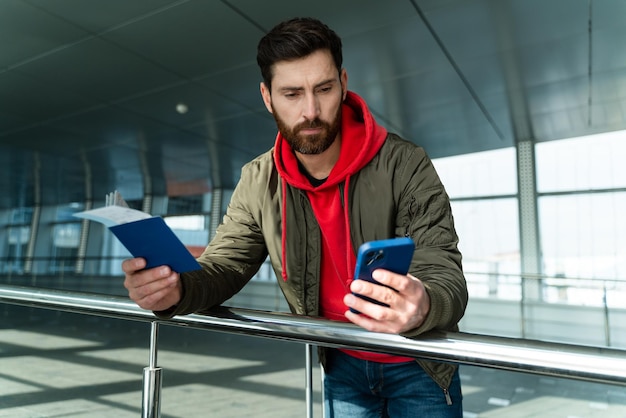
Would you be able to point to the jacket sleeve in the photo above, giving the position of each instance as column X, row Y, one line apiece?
column 232, row 257
column 426, row 210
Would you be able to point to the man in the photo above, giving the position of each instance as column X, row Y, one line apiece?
column 334, row 180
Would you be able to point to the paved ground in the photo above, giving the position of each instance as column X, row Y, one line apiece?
column 64, row 365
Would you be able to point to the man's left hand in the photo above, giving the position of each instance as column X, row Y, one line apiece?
column 406, row 296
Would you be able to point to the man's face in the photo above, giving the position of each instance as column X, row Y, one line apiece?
column 306, row 101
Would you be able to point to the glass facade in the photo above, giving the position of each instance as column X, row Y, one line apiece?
column 581, row 199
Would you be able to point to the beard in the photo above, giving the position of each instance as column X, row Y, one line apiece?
column 310, row 144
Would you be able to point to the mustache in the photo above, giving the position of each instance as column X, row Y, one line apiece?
column 315, row 123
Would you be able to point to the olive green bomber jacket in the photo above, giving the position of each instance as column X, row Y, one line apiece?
column 398, row 193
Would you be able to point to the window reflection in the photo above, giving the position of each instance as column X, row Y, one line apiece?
column 17, row 237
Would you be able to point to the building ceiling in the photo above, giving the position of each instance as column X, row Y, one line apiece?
column 89, row 89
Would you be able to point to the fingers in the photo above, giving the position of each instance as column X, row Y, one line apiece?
column 132, row 265
column 154, row 289
column 385, row 291
column 158, row 296
column 365, row 321
column 407, row 300
column 395, row 281
column 372, row 316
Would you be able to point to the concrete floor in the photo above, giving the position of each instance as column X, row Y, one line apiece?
column 55, row 364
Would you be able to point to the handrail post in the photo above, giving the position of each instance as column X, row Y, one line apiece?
column 152, row 379
column 323, row 391
column 607, row 320
column 309, row 380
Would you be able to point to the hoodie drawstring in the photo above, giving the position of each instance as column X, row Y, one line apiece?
column 346, row 216
column 283, row 235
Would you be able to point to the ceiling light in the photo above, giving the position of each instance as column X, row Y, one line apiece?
column 182, row 108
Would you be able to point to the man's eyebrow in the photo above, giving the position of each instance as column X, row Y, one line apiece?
column 287, row 88
column 322, row 83
column 329, row 81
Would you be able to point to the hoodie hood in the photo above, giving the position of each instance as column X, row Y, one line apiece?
column 361, row 139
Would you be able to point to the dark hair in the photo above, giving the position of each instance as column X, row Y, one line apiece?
column 293, row 39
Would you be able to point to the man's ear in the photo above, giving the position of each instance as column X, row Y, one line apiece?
column 267, row 97
column 343, row 76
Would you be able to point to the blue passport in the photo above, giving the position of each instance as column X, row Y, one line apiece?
column 153, row 240
column 145, row 236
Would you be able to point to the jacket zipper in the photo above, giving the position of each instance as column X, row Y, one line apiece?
column 303, row 204
column 447, row 395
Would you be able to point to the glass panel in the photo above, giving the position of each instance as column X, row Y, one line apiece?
column 18, row 235
column 189, row 223
column 489, row 173
column 488, row 228
column 22, row 216
column 582, row 236
column 63, row 259
column 17, row 245
column 185, row 204
column 17, row 238
column 591, row 162
column 66, row 213
column 66, row 235
column 65, row 238
column 192, row 230
column 489, row 240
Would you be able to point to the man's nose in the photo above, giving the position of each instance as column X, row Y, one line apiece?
column 311, row 109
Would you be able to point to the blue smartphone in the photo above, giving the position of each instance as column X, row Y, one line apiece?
column 393, row 254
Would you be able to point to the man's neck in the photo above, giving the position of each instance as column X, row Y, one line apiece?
column 319, row 166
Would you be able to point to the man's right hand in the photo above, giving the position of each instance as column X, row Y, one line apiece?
column 155, row 289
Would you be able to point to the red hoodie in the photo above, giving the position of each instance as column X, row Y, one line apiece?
column 361, row 138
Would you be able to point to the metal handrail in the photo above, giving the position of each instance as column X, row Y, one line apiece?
column 596, row 364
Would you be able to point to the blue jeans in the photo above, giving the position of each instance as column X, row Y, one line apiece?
column 355, row 388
